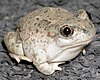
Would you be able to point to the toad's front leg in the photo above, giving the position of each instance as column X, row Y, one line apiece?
column 41, row 62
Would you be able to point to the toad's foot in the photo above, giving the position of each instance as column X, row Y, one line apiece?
column 19, row 57
column 48, row 69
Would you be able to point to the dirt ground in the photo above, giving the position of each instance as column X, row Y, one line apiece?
column 83, row 67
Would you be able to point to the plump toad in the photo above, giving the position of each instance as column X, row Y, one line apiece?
column 49, row 37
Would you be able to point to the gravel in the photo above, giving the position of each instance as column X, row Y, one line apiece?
column 83, row 67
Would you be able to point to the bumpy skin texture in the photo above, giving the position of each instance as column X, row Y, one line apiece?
column 39, row 38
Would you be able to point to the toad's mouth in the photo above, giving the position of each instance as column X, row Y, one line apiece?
column 82, row 43
column 86, row 42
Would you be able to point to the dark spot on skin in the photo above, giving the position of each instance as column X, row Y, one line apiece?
column 50, row 18
column 45, row 11
column 35, row 24
column 40, row 40
column 85, row 31
column 41, row 32
column 32, row 33
column 37, row 41
column 27, row 43
column 90, row 25
column 58, row 9
column 79, row 20
column 30, row 17
column 35, row 45
column 37, row 18
column 89, row 34
column 43, row 45
column 30, row 43
column 29, row 29
column 45, row 41
column 26, row 25
column 17, row 46
column 61, row 17
column 39, row 24
column 28, row 22
column 42, row 36
column 27, row 33
column 48, row 22
column 26, row 48
column 44, row 29
column 37, row 30
column 40, row 27
column 33, row 39
column 12, row 44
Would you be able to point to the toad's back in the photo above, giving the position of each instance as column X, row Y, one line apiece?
column 41, row 21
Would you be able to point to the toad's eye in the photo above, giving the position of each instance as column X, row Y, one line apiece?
column 66, row 31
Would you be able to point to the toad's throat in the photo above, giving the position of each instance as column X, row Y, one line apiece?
column 79, row 46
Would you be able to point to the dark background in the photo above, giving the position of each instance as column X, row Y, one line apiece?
column 83, row 67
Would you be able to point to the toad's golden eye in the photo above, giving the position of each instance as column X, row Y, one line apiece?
column 66, row 31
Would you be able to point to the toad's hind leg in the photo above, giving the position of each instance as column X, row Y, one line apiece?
column 14, row 46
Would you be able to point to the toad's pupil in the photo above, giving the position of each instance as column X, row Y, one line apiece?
column 66, row 31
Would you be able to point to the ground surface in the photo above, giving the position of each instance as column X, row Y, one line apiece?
column 84, row 67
